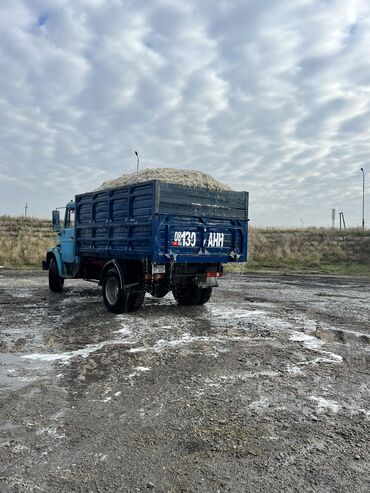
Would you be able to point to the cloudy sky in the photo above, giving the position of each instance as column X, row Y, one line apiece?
column 270, row 96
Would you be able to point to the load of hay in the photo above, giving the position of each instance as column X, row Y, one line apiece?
column 188, row 178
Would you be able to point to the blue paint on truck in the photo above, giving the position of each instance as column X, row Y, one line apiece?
column 152, row 237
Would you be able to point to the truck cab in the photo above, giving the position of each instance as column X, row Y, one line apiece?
column 64, row 253
column 67, row 236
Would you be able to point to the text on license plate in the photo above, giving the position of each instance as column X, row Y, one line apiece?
column 189, row 239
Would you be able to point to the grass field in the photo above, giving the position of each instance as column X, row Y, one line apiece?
column 23, row 243
column 311, row 250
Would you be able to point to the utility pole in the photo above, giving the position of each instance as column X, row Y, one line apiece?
column 301, row 222
column 363, row 199
column 137, row 161
column 25, row 210
column 341, row 219
column 333, row 218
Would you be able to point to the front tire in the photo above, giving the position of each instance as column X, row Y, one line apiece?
column 56, row 282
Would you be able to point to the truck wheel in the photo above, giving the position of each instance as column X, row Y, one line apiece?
column 191, row 295
column 115, row 299
column 159, row 290
column 135, row 301
column 55, row 281
column 187, row 295
column 205, row 296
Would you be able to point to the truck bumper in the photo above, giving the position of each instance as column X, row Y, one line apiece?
column 207, row 282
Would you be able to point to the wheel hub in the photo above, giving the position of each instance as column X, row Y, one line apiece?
column 112, row 291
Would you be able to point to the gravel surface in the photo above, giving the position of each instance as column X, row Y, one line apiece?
column 265, row 388
column 189, row 178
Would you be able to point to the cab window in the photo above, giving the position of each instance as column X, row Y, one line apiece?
column 70, row 218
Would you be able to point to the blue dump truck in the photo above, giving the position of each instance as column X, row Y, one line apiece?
column 150, row 237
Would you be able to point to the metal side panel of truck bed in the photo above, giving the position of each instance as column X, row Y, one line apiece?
column 163, row 223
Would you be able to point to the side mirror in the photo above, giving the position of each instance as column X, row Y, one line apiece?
column 56, row 220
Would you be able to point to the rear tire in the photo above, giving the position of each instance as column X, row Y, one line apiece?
column 135, row 301
column 115, row 298
column 56, row 282
column 205, row 296
column 189, row 295
column 159, row 290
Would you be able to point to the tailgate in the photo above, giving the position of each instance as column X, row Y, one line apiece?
column 182, row 239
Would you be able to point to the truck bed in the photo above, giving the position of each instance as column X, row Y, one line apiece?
column 162, row 223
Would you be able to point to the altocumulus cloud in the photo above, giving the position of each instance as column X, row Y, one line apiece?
column 269, row 96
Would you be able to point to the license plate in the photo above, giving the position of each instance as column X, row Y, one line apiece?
column 158, row 269
column 189, row 239
column 184, row 239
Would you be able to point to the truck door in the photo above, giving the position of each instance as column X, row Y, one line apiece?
column 67, row 236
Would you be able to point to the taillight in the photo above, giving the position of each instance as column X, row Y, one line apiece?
column 214, row 274
column 154, row 277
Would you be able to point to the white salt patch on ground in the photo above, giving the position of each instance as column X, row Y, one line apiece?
column 51, row 431
column 309, row 342
column 242, row 376
column 314, row 344
column 324, row 404
column 137, row 371
column 262, row 403
column 22, row 294
column 107, row 399
column 124, row 331
column 186, row 339
column 220, row 312
column 294, row 370
column 307, row 324
column 328, row 358
column 65, row 357
column 332, row 358
column 263, row 317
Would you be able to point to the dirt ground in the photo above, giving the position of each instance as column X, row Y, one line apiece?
column 264, row 389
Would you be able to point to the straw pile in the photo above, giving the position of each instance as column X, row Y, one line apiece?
column 188, row 178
